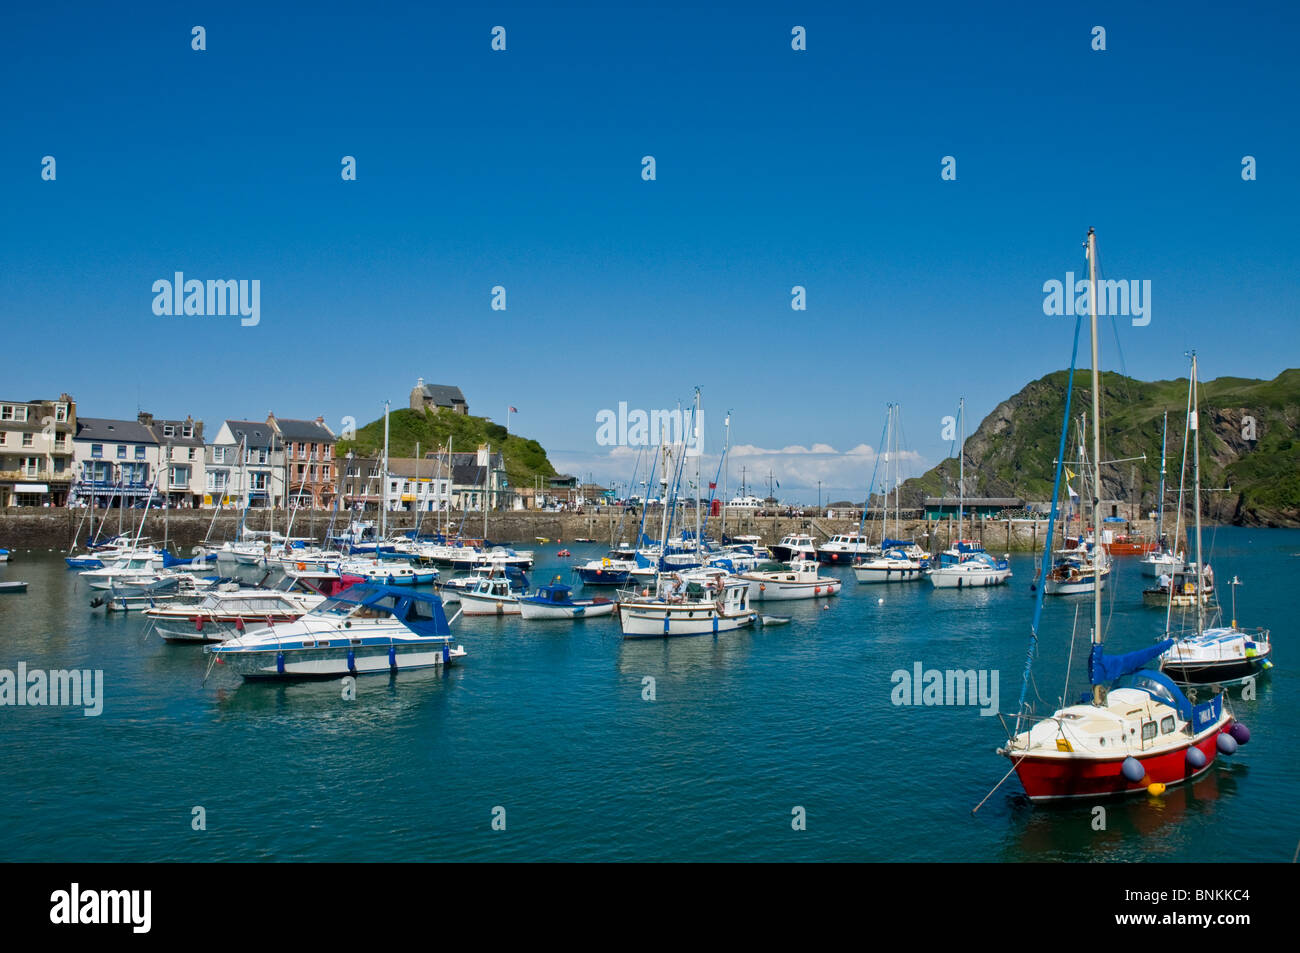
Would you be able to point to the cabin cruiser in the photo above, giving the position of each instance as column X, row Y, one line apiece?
column 897, row 562
column 610, row 570
column 794, row 546
column 1222, row 655
column 845, row 548
column 389, row 572
column 966, row 565
column 146, row 564
column 367, row 629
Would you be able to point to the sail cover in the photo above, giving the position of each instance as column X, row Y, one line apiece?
column 1103, row 668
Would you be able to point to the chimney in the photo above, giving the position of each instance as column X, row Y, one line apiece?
column 145, row 418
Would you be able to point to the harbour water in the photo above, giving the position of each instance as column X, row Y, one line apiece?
column 549, row 727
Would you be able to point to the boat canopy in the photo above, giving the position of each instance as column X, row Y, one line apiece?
column 421, row 613
column 556, row 592
column 1103, row 668
column 1161, row 686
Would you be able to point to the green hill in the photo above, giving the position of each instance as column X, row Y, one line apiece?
column 525, row 459
column 1012, row 451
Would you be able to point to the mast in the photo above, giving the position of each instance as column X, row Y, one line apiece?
column 383, row 477
column 1160, row 506
column 961, row 467
column 697, row 475
column 726, row 445
column 1192, row 426
column 1096, row 442
column 898, row 511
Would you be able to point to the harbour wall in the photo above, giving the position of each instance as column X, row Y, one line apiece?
column 45, row 529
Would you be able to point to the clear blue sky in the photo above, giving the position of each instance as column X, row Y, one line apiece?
column 523, row 169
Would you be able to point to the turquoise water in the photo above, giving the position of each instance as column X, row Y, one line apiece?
column 547, row 721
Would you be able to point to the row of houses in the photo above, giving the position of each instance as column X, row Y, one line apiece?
column 50, row 456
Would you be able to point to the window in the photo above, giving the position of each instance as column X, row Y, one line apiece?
column 28, row 439
column 217, row 480
column 1148, row 730
column 61, row 413
column 31, row 466
column 169, row 430
column 190, row 455
column 218, row 454
column 139, row 453
column 13, row 412
column 180, row 476
column 3, row 437
column 60, row 441
column 121, row 451
column 96, row 451
column 1167, row 724
column 187, row 430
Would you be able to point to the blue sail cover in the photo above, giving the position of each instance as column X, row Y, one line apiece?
column 1103, row 668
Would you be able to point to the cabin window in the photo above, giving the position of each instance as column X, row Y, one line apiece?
column 419, row 611
column 1167, row 724
column 1148, row 730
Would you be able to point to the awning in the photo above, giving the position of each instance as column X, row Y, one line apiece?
column 31, row 488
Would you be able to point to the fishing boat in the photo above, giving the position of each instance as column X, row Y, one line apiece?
column 556, row 602
column 794, row 546
column 1211, row 654
column 367, row 629
column 1141, row 734
column 1122, row 544
column 798, row 579
column 497, row 593
column 1180, row 590
column 686, row 608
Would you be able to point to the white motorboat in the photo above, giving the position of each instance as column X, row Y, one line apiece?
column 141, row 566
column 844, row 548
column 367, row 629
column 495, row 594
column 794, row 546
column 893, row 565
column 799, row 579
column 966, row 565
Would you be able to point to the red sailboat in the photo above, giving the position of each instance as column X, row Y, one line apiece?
column 1142, row 733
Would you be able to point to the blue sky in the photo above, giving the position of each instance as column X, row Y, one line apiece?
column 522, row 169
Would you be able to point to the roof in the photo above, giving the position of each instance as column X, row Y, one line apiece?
column 116, row 431
column 1004, row 501
column 442, row 395
column 258, row 432
column 176, row 440
column 312, row 431
column 413, row 467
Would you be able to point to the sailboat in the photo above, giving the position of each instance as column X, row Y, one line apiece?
column 896, row 560
column 965, row 564
column 1141, row 734
column 1217, row 655
column 1080, row 566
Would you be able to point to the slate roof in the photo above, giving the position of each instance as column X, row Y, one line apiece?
column 304, row 431
column 442, row 395
column 102, row 430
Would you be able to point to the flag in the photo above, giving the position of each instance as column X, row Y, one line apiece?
column 514, row 410
column 1072, row 493
column 1068, row 474
column 713, row 486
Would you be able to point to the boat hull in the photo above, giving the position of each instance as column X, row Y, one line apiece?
column 771, row 591
column 1058, row 778
column 968, row 580
column 334, row 662
column 532, row 610
column 881, row 574
column 658, row 621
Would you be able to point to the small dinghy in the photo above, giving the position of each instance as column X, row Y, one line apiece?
column 770, row 620
column 12, row 587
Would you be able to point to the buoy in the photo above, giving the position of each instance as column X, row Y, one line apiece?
column 1226, row 743
column 880, row 602
column 1155, row 787
column 1240, row 733
column 1132, row 770
column 1195, row 758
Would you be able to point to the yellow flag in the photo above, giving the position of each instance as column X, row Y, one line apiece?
column 1068, row 474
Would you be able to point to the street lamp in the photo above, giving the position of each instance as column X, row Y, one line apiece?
column 819, row 497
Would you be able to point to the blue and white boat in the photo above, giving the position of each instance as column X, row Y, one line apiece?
column 4, row 555
column 366, row 629
column 556, row 602
column 610, row 570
